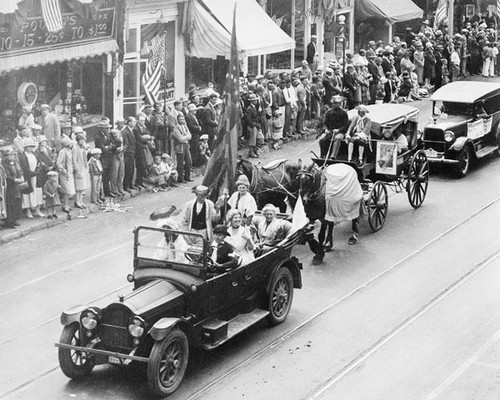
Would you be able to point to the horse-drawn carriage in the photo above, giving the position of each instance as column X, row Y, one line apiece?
column 385, row 167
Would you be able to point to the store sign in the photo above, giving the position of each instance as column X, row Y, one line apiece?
column 32, row 35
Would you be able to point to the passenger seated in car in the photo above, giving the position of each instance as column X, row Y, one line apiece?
column 270, row 230
column 172, row 247
column 221, row 252
column 240, row 237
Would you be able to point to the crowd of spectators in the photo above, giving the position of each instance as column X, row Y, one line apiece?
column 49, row 162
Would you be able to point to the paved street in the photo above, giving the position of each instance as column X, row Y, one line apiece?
column 409, row 312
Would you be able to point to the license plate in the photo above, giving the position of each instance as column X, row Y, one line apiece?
column 114, row 360
column 431, row 153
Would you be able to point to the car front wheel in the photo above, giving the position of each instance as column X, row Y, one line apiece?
column 168, row 363
column 280, row 296
column 74, row 364
column 463, row 165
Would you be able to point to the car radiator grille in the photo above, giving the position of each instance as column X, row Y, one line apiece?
column 114, row 325
column 434, row 139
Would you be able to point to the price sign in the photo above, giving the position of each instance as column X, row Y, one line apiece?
column 32, row 35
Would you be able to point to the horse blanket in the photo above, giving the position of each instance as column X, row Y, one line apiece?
column 343, row 193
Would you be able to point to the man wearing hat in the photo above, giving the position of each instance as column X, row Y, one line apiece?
column 50, row 125
column 253, row 123
column 192, row 92
column 242, row 200
column 102, row 141
column 195, row 128
column 200, row 214
column 210, row 119
column 159, row 128
column 312, row 53
column 221, row 252
column 375, row 73
column 129, row 150
column 358, row 134
column 36, row 131
column 172, row 247
column 335, row 124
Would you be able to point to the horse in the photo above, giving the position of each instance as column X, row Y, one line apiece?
column 311, row 190
column 274, row 183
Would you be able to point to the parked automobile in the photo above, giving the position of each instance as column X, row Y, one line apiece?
column 465, row 125
column 177, row 303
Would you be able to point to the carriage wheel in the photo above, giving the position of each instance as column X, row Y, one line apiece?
column 378, row 203
column 418, row 179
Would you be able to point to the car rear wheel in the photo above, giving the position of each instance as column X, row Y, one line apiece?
column 74, row 364
column 463, row 165
column 168, row 363
column 280, row 296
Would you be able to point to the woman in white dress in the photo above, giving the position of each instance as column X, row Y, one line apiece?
column 33, row 197
column 242, row 200
column 241, row 238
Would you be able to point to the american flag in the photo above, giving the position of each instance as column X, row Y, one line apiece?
column 51, row 12
column 441, row 13
column 151, row 79
column 221, row 168
column 497, row 8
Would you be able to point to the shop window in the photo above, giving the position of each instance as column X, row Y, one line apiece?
column 132, row 41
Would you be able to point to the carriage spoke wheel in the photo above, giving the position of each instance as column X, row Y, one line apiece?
column 378, row 203
column 418, row 179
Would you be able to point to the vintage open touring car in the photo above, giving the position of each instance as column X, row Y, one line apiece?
column 466, row 124
column 176, row 304
column 384, row 167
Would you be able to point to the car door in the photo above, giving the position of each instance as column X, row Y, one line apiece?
column 225, row 291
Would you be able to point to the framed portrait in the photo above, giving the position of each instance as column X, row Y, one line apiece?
column 470, row 10
column 387, row 156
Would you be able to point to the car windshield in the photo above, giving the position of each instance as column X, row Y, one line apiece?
column 450, row 108
column 170, row 246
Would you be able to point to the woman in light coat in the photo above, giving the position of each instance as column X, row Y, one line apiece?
column 81, row 170
column 65, row 167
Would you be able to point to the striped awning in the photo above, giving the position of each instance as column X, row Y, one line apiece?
column 52, row 56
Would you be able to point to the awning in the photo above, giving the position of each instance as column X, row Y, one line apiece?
column 52, row 56
column 211, row 34
column 393, row 11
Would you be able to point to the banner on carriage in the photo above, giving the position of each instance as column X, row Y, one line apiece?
column 387, row 155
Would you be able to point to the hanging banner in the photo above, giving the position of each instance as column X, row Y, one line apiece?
column 32, row 34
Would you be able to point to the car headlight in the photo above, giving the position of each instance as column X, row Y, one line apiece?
column 449, row 136
column 136, row 327
column 89, row 319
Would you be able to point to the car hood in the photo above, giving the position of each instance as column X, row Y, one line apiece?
column 449, row 122
column 151, row 296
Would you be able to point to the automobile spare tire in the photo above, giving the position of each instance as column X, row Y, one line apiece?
column 74, row 364
column 167, row 363
column 280, row 296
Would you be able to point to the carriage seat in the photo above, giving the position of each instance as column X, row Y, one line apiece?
column 274, row 165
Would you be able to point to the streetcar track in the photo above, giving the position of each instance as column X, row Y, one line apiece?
column 354, row 363
column 346, row 369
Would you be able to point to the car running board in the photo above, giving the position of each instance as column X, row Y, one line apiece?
column 485, row 151
column 234, row 326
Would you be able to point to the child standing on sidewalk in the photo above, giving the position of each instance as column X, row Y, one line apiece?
column 51, row 192
column 95, row 170
column 276, row 130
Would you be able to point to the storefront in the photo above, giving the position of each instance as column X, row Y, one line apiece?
column 71, row 69
column 147, row 19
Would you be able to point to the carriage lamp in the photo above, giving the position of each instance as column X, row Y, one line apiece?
column 449, row 136
column 136, row 327
column 89, row 319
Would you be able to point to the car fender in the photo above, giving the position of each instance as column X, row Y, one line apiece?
column 164, row 326
column 72, row 314
column 460, row 143
column 294, row 266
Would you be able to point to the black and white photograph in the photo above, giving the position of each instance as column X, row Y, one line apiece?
column 249, row 199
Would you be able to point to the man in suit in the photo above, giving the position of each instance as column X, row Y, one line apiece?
column 374, row 71
column 253, row 119
column 129, row 153
column 158, row 122
column 221, row 252
column 195, row 129
column 50, row 125
column 312, row 53
column 102, row 141
column 301, row 105
column 210, row 120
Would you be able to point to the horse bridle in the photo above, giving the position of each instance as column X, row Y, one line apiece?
column 308, row 174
